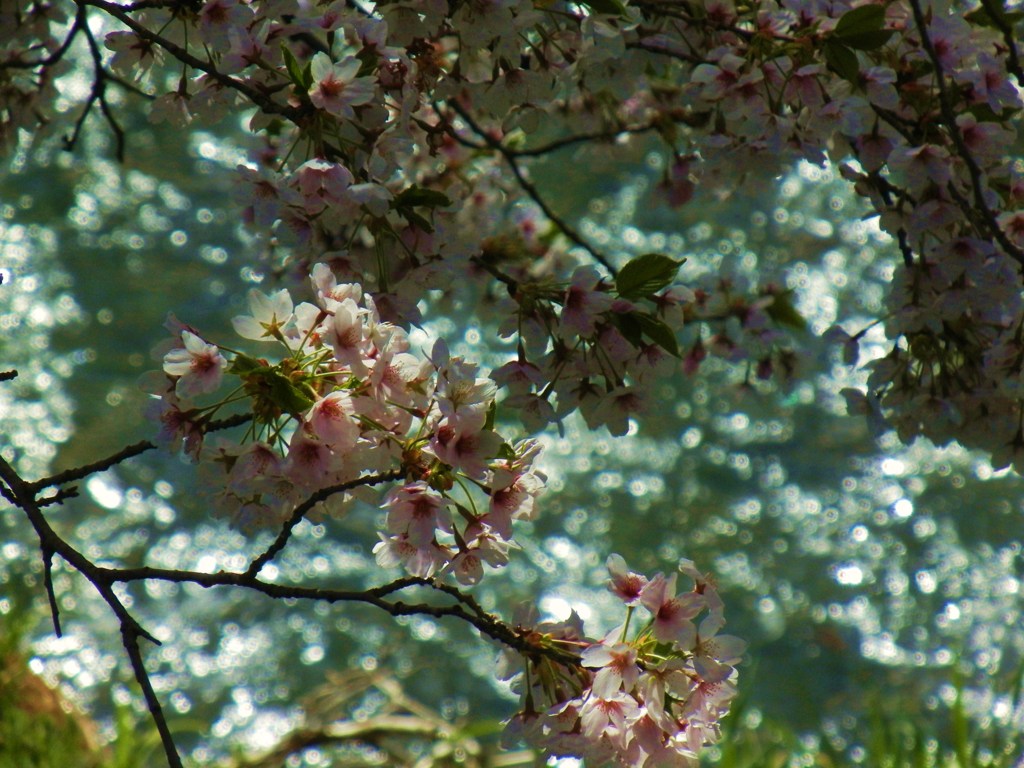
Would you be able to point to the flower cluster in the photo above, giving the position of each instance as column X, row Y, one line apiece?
column 398, row 138
column 348, row 397
column 400, row 121
column 652, row 697
column 387, row 132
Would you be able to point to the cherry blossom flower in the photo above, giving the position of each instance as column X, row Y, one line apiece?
column 270, row 316
column 609, row 717
column 257, row 460
column 333, row 420
column 616, row 664
column 395, row 551
column 671, row 614
column 466, row 449
column 512, row 497
column 336, row 88
column 178, row 425
column 198, row 365
column 133, row 56
column 416, row 512
column 625, row 584
column 219, row 18
column 173, row 108
column 584, row 302
column 467, row 565
column 716, row 655
column 309, row 460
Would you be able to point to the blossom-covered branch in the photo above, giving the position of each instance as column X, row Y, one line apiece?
column 387, row 136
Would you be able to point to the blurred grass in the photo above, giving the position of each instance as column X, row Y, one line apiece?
column 892, row 735
column 39, row 728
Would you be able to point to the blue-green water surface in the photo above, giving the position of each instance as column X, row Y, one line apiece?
column 854, row 565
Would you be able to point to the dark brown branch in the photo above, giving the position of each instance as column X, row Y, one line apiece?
column 484, row 622
column 50, row 595
column 8, row 375
column 254, row 95
column 130, row 639
column 77, row 473
column 372, row 730
column 70, row 492
column 300, row 511
column 462, row 597
column 531, row 190
column 949, row 118
column 579, row 138
column 77, row 26
column 995, row 12
column 51, row 543
column 510, row 282
column 658, row 51
column 100, row 91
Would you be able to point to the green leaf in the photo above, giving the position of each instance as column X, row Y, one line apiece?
column 492, row 411
column 864, row 18
column 868, row 41
column 417, row 221
column 842, row 60
column 862, row 29
column 506, row 452
column 646, row 274
column 981, row 17
column 421, row 196
column 658, row 332
column 782, row 311
column 605, row 6
column 243, row 365
column 635, row 325
column 301, row 76
column 286, row 394
column 629, row 327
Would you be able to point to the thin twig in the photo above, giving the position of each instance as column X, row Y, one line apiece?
column 256, row 96
column 48, row 585
column 77, row 26
column 60, row 496
column 77, row 473
column 510, row 282
column 100, row 89
column 51, row 543
column 130, row 639
column 300, row 511
column 995, row 12
column 485, row 622
column 579, row 138
column 949, row 118
column 531, row 190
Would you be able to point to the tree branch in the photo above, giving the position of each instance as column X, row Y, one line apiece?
column 51, row 543
column 949, row 118
column 488, row 624
column 256, row 96
column 300, row 511
column 77, row 473
column 530, row 189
